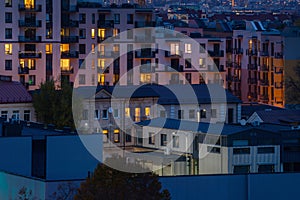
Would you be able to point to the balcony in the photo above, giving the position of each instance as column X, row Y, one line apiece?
column 105, row 23
column 147, row 68
column 252, row 95
column 238, row 51
column 264, row 53
column 278, row 85
column 23, row 70
column 172, row 54
column 142, row 24
column 30, row 39
column 69, row 39
column 70, row 23
column 251, row 52
column 66, row 70
column 145, row 53
column 233, row 65
column 144, row 39
column 278, row 100
column 252, row 66
column 278, row 70
column 216, row 53
column 30, row 54
column 101, row 39
column 264, row 82
column 264, row 97
column 30, row 23
column 69, row 54
column 278, row 55
column 108, row 54
column 252, row 81
column 264, row 68
column 36, row 8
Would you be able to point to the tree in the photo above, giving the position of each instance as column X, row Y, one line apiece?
column 108, row 183
column 292, row 84
column 54, row 105
column 65, row 191
column 25, row 194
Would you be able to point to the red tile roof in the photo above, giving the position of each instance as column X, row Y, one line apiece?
column 13, row 92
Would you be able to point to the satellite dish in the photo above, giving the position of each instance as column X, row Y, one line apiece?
column 243, row 122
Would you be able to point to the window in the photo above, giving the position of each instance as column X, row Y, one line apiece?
column 213, row 149
column 162, row 113
column 81, row 79
column 8, row 33
column 93, row 18
column 201, row 62
column 241, row 169
column 262, row 150
column 137, row 114
column 116, row 113
column 192, row 114
column 188, row 77
column 174, row 49
column 8, row 17
column 188, row 48
column 129, row 34
column 188, row 63
column 31, row 80
column 101, row 34
column 31, row 64
column 241, row 151
column 8, row 49
column 151, row 139
column 127, row 112
column 202, row 48
column 175, row 141
column 85, row 114
column 8, row 3
column 105, row 135
column 265, row 168
column 240, row 142
column 147, row 111
column 180, row 114
column 128, row 137
column 15, row 115
column 26, row 115
column 81, row 64
column 101, row 63
column 105, row 114
column 4, row 114
column 82, row 48
column 93, row 33
column 116, row 135
column 117, row 18
column 49, row 34
column 48, row 48
column 82, row 33
column 129, row 18
column 203, row 113
column 163, row 139
column 93, row 48
column 213, row 113
column 82, row 18
column 96, row 114
column 116, row 32
column 8, row 64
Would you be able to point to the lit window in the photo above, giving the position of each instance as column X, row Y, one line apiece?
column 93, row 33
column 29, row 4
column 93, row 64
column 127, row 112
column 101, row 79
column 147, row 111
column 101, row 34
column 64, row 47
column 64, row 64
column 101, row 63
column 31, row 64
column 105, row 135
column 145, row 78
column 202, row 62
column 8, row 49
column 174, row 48
column 116, row 48
column 116, row 135
column 93, row 48
column 48, row 48
column 116, row 32
column 137, row 113
column 188, row 48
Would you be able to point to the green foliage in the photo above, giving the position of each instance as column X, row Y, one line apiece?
column 25, row 194
column 108, row 183
column 54, row 105
column 292, row 85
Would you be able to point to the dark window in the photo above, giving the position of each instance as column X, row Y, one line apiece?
column 82, row 33
column 8, row 17
column 81, row 79
column 163, row 140
column 128, row 137
column 213, row 113
column 265, row 168
column 162, row 113
column 129, row 18
column 129, row 34
column 117, row 18
column 213, row 149
column 192, row 114
column 105, row 114
column 81, row 64
column 241, row 169
column 82, row 48
column 188, row 77
column 26, row 115
column 151, row 139
column 180, row 114
column 188, row 63
column 93, row 18
column 176, row 141
column 82, row 18
column 203, row 113
column 31, row 80
column 202, row 48
column 241, row 151
column 230, row 115
column 8, row 3
column 265, row 150
column 85, row 115
column 8, row 64
column 8, row 33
